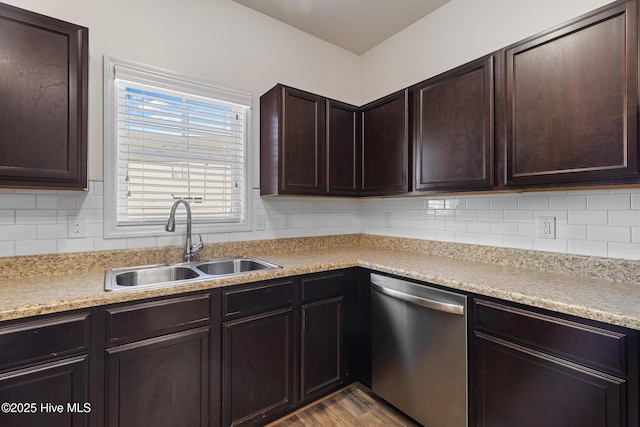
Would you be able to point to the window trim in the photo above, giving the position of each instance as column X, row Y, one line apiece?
column 174, row 81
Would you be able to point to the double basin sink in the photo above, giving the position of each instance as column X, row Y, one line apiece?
column 152, row 276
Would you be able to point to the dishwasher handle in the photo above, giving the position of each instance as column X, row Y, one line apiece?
column 422, row 302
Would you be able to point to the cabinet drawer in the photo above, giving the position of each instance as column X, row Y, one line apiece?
column 322, row 286
column 137, row 321
column 33, row 341
column 591, row 346
column 245, row 300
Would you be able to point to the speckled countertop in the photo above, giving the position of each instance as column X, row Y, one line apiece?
column 582, row 292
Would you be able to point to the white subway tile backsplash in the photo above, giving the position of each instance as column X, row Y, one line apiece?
column 627, row 218
column 518, row 215
column 533, row 202
column 504, row 203
column 18, row 232
column 610, row 201
column 550, row 245
column 588, row 217
column 584, row 247
column 17, row 201
column 35, row 247
column 568, row 202
column 36, row 216
column 7, row 217
column 588, row 222
column 7, row 249
column 571, row 231
column 608, row 233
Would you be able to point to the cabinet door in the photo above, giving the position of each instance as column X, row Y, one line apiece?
column 162, row 381
column 454, row 128
column 64, row 382
column 43, row 107
column 322, row 348
column 385, row 145
column 343, row 149
column 302, row 152
column 571, row 101
column 517, row 386
column 257, row 367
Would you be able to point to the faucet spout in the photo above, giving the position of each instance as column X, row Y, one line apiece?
column 190, row 250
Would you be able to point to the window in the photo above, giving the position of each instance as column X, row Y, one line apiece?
column 169, row 138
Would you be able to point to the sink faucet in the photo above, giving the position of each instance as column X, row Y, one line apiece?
column 190, row 250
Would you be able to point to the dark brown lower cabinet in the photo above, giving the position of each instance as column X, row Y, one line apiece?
column 162, row 381
column 258, row 367
column 522, row 387
column 532, row 368
column 54, row 394
column 322, row 347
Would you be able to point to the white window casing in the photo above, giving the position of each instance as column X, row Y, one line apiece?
column 168, row 137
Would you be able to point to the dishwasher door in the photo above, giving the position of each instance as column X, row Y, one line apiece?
column 419, row 356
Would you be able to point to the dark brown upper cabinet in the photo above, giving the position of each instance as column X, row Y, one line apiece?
column 309, row 145
column 43, row 101
column 343, row 149
column 453, row 128
column 571, row 101
column 385, row 145
column 292, row 142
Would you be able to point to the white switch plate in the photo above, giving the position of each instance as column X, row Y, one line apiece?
column 547, row 227
column 387, row 219
column 76, row 227
column 259, row 223
column 288, row 221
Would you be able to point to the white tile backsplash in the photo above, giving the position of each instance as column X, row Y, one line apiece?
column 588, row 222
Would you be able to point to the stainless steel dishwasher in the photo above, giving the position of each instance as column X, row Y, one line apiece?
column 419, row 359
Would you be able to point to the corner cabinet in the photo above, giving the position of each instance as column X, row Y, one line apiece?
column 453, row 120
column 571, row 101
column 309, row 145
column 292, row 146
column 536, row 369
column 385, row 145
column 343, row 149
column 43, row 107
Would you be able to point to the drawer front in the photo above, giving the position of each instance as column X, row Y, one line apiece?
column 137, row 321
column 588, row 345
column 245, row 300
column 28, row 342
column 322, row 286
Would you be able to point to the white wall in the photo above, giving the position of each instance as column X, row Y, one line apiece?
column 456, row 33
column 177, row 36
column 256, row 51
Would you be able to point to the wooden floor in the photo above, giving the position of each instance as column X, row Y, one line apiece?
column 352, row 406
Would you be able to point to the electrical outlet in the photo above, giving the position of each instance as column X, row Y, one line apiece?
column 288, row 221
column 387, row 219
column 547, row 227
column 259, row 223
column 76, row 227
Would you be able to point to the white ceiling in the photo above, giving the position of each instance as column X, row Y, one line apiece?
column 355, row 25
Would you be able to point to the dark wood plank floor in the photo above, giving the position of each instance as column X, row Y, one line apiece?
column 352, row 406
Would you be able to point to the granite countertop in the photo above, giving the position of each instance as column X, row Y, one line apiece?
column 609, row 301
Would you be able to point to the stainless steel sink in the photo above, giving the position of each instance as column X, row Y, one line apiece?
column 151, row 276
column 224, row 267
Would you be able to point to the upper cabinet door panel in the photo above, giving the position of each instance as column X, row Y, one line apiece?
column 303, row 143
column 43, row 101
column 454, row 128
column 343, row 149
column 571, row 101
column 385, row 145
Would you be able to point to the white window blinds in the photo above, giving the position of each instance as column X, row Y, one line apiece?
column 177, row 141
